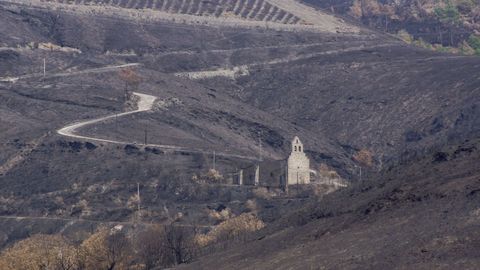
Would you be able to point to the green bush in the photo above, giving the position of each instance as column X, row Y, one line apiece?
column 474, row 42
column 448, row 14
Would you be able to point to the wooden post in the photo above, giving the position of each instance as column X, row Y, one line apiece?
column 145, row 142
column 214, row 160
column 138, row 205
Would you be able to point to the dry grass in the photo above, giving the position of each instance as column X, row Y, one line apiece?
column 231, row 229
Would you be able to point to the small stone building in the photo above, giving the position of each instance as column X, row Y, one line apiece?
column 278, row 173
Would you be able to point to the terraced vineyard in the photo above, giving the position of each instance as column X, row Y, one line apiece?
column 257, row 10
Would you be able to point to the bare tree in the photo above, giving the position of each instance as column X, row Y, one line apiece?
column 118, row 249
column 165, row 246
column 364, row 158
column 40, row 252
column 106, row 250
column 151, row 248
column 131, row 80
column 179, row 241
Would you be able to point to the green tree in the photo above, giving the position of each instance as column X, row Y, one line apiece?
column 450, row 16
column 474, row 42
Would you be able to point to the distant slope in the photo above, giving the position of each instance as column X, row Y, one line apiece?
column 441, row 23
column 392, row 99
column 274, row 14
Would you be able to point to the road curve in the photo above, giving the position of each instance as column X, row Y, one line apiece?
column 145, row 103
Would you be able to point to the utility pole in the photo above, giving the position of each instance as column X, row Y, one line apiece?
column 138, row 205
column 146, row 136
column 386, row 23
column 260, row 145
column 214, row 160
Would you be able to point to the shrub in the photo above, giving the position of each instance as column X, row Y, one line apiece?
column 405, row 36
column 364, row 157
column 252, row 205
column 133, row 201
column 40, row 252
column 474, row 42
column 212, row 176
column 221, row 215
column 326, row 172
column 263, row 193
column 231, row 229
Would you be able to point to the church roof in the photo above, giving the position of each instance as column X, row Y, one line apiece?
column 296, row 140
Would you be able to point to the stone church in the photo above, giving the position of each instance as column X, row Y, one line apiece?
column 298, row 164
column 278, row 173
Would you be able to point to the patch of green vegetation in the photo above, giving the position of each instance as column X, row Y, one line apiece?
column 442, row 49
column 422, row 43
column 474, row 42
column 405, row 36
column 471, row 47
column 448, row 14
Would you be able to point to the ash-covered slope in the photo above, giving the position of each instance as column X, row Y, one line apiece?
column 420, row 215
column 390, row 98
column 339, row 92
column 46, row 178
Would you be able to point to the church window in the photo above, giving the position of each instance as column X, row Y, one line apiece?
column 295, row 148
column 300, row 148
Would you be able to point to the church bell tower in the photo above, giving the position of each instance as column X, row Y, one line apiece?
column 298, row 165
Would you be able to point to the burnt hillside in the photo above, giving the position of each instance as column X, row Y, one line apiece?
column 422, row 214
column 227, row 96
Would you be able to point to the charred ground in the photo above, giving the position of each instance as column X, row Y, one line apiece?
column 340, row 93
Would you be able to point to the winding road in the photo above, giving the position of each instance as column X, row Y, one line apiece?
column 243, row 70
column 145, row 103
column 69, row 73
